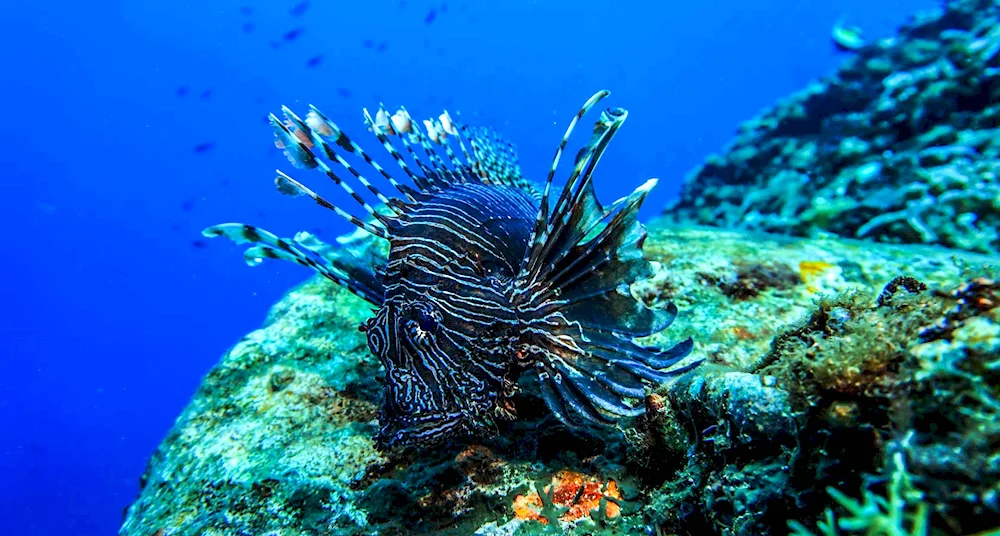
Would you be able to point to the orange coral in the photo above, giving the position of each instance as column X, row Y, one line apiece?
column 579, row 492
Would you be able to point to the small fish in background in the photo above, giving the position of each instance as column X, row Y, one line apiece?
column 187, row 204
column 431, row 15
column 204, row 147
column 182, row 91
column 199, row 244
column 846, row 38
column 344, row 92
column 248, row 27
column 314, row 61
column 293, row 34
column 207, row 94
column 368, row 43
column 382, row 46
column 300, row 8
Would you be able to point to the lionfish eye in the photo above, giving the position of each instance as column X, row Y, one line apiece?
column 426, row 321
column 423, row 316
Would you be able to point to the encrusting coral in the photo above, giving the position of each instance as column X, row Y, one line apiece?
column 900, row 145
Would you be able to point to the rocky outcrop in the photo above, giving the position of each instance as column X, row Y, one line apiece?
column 817, row 374
column 901, row 145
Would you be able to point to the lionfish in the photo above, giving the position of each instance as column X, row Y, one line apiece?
column 485, row 277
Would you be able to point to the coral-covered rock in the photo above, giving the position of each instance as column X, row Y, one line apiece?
column 902, row 144
column 806, row 373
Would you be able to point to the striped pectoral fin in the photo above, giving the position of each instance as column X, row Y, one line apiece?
column 599, row 386
column 598, row 379
column 586, row 391
column 348, row 273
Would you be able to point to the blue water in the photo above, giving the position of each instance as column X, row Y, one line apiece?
column 111, row 313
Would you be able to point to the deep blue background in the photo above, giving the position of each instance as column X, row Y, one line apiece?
column 110, row 316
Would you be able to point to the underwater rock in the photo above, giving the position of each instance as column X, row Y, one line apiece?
column 901, row 144
column 810, row 382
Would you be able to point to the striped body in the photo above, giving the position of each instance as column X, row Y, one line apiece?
column 447, row 330
column 485, row 279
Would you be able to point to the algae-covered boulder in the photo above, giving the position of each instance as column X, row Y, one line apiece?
column 901, row 144
column 819, row 373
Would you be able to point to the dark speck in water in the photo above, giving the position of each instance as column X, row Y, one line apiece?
column 187, row 204
column 204, row 147
column 382, row 46
column 207, row 94
column 198, row 244
column 246, row 11
column 248, row 27
column 314, row 61
column 293, row 34
column 368, row 43
column 299, row 9
column 431, row 15
column 183, row 90
column 344, row 92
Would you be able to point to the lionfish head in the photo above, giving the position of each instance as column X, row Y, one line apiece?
column 429, row 396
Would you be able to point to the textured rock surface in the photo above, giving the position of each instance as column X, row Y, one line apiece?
column 901, row 145
column 804, row 371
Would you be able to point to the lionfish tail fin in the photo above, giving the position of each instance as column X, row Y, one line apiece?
column 352, row 270
column 575, row 291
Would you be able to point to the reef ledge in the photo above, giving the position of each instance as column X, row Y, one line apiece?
column 841, row 376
